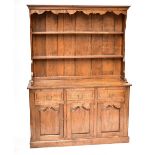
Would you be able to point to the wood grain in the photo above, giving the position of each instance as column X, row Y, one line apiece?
column 51, row 44
column 83, row 43
column 97, row 45
column 69, row 43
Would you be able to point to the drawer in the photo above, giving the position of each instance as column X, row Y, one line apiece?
column 117, row 95
column 47, row 97
column 80, row 94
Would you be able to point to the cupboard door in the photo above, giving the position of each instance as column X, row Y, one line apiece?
column 110, row 112
column 49, row 114
column 79, row 119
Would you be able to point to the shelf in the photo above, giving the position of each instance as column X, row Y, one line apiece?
column 78, row 57
column 77, row 32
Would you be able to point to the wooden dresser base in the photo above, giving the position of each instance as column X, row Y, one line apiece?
column 83, row 141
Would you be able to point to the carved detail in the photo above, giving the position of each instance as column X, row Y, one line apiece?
column 85, row 106
column 87, row 12
column 53, row 107
column 111, row 105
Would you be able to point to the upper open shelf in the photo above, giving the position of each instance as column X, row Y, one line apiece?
column 77, row 32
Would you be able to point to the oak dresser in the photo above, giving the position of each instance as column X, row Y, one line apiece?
column 78, row 91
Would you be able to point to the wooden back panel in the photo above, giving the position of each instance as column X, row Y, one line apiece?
column 81, row 45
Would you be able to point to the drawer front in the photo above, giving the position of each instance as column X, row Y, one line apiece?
column 107, row 94
column 80, row 94
column 48, row 97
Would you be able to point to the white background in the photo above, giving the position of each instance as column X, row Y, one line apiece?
column 15, row 73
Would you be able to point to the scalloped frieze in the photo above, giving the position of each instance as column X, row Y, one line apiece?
column 87, row 12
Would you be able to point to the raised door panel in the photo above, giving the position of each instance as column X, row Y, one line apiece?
column 112, row 116
column 49, row 122
column 110, row 112
column 109, row 120
column 79, row 119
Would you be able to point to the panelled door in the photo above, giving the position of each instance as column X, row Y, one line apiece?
column 49, row 114
column 110, row 111
column 80, row 113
